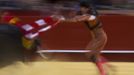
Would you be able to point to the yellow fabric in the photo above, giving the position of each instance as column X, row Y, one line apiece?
column 27, row 43
column 14, row 20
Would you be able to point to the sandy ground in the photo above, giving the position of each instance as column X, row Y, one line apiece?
column 65, row 68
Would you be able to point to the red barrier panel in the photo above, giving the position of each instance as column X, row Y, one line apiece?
column 119, row 29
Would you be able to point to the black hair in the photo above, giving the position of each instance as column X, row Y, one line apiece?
column 84, row 4
column 88, row 4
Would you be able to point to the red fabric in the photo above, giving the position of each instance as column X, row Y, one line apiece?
column 7, row 16
column 49, row 22
column 19, row 25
